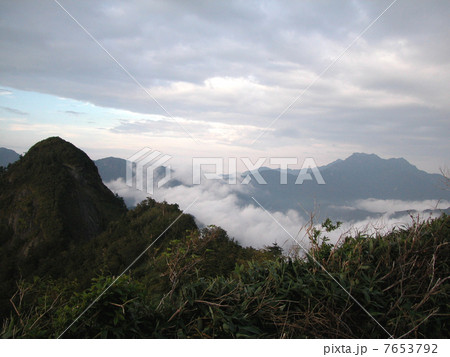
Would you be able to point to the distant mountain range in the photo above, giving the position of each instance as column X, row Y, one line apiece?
column 8, row 156
column 347, row 182
column 359, row 177
column 113, row 168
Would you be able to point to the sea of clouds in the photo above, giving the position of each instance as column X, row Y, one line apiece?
column 217, row 203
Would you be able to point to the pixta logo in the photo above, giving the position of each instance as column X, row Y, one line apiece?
column 147, row 165
column 141, row 166
column 217, row 173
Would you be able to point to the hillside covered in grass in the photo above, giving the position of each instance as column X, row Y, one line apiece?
column 75, row 263
column 192, row 290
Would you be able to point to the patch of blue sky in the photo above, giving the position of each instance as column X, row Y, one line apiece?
column 34, row 107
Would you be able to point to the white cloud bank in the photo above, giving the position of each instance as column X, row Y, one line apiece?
column 391, row 206
column 250, row 225
column 218, row 204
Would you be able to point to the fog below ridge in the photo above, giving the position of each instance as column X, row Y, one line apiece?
column 220, row 204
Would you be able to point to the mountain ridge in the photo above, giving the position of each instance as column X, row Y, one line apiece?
column 8, row 156
column 54, row 195
column 357, row 177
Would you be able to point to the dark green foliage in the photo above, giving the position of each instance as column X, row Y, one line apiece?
column 64, row 237
column 400, row 278
column 33, row 303
column 274, row 250
column 404, row 275
column 51, row 201
column 118, row 313
column 126, row 238
column 121, row 312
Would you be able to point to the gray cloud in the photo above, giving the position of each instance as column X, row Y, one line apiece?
column 147, row 126
column 243, row 63
column 72, row 112
column 13, row 110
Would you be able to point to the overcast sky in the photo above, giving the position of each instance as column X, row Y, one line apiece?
column 223, row 71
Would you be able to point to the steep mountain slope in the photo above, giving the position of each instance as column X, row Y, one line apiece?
column 8, row 156
column 59, row 221
column 51, row 200
column 57, row 181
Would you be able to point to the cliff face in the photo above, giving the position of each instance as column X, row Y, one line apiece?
column 59, row 222
column 53, row 198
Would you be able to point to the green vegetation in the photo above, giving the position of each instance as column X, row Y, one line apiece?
column 65, row 240
column 207, row 286
column 52, row 201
